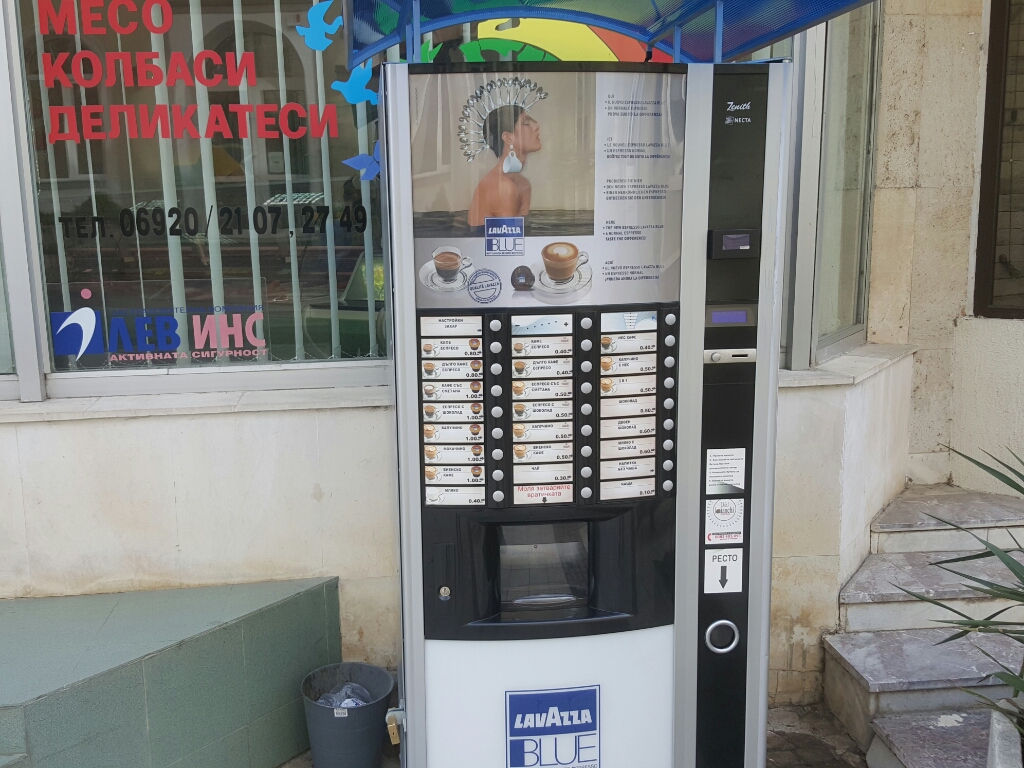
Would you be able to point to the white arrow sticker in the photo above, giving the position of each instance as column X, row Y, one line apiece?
column 723, row 571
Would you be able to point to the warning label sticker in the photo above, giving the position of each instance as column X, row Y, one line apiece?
column 726, row 471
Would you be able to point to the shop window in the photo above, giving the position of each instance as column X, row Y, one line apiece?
column 845, row 183
column 173, row 239
column 999, row 277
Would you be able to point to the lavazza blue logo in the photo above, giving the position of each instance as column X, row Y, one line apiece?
column 504, row 236
column 556, row 728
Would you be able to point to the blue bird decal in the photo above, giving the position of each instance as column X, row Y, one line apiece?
column 354, row 89
column 367, row 165
column 315, row 35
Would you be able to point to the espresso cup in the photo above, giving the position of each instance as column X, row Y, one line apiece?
column 519, row 451
column 428, row 431
column 476, row 408
column 518, row 347
column 519, row 409
column 475, row 386
column 519, row 366
column 518, row 387
column 476, row 365
column 518, row 430
column 606, row 385
column 477, row 471
column 448, row 262
column 428, row 349
column 561, row 260
column 429, row 411
column 428, row 369
column 474, row 344
column 430, row 451
column 474, row 429
column 478, row 450
column 606, row 363
column 606, row 342
column 428, row 390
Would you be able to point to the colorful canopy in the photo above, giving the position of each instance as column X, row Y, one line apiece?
column 747, row 25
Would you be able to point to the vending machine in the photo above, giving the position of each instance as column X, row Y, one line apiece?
column 586, row 309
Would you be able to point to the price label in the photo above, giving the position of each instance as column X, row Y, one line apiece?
column 628, row 343
column 532, row 474
column 621, row 449
column 542, row 432
column 535, row 453
column 627, row 489
column 453, row 454
column 637, row 427
column 612, row 470
column 542, row 410
column 436, row 348
column 437, row 391
column 627, row 386
column 455, row 497
column 628, row 364
column 548, row 389
column 462, row 412
column 451, row 369
column 542, row 368
column 541, row 346
column 454, row 475
column 453, row 433
column 616, row 407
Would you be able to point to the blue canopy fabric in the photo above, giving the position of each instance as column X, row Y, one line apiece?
column 375, row 25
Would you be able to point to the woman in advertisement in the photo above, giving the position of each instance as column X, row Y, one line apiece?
column 512, row 134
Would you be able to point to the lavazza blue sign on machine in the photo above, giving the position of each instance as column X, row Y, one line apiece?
column 586, row 289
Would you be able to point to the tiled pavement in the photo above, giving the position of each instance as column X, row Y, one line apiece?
column 798, row 737
column 809, row 737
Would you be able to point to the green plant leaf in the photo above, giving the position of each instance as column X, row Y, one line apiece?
column 991, row 470
column 933, row 601
column 1017, row 472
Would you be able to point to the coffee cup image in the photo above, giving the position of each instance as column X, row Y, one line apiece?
column 477, row 471
column 474, row 429
column 429, row 411
column 478, row 450
column 606, row 385
column 429, row 369
column 520, row 451
column 474, row 344
column 518, row 388
column 477, row 408
column 476, row 365
column 606, row 363
column 606, row 343
column 428, row 349
column 475, row 386
column 520, row 367
column 428, row 431
column 519, row 410
column 448, row 262
column 430, row 473
column 429, row 390
column 561, row 260
column 434, row 496
column 519, row 430
column 430, row 451
column 519, row 348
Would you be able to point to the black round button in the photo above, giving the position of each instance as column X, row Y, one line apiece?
column 722, row 636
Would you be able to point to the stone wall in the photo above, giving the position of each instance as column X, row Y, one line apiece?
column 930, row 101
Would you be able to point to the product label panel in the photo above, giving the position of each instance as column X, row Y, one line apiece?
column 610, row 470
column 723, row 521
column 542, row 346
column 538, row 452
column 543, row 494
column 455, row 325
column 527, row 474
column 461, row 412
column 452, row 369
column 628, row 406
column 542, row 410
column 627, row 489
column 454, row 475
column 543, row 432
column 621, row 449
column 628, row 343
column 453, row 454
column 613, row 428
column 646, row 320
column 453, row 390
column 542, row 368
column 548, row 389
column 623, row 386
column 430, row 348
column 628, row 364
column 443, row 495
column 541, row 325
column 453, row 433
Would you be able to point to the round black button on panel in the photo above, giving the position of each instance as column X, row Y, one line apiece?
column 722, row 636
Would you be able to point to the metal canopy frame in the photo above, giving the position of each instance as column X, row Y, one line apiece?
column 690, row 31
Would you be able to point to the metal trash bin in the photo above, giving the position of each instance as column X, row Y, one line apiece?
column 347, row 738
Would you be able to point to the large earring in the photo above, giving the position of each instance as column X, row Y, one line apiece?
column 512, row 163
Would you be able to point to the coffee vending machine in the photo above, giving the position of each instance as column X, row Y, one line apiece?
column 586, row 284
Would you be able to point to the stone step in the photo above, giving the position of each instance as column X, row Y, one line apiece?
column 905, row 525
column 879, row 674
column 872, row 601
column 932, row 740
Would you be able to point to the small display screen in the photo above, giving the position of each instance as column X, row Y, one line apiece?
column 736, row 242
column 728, row 316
